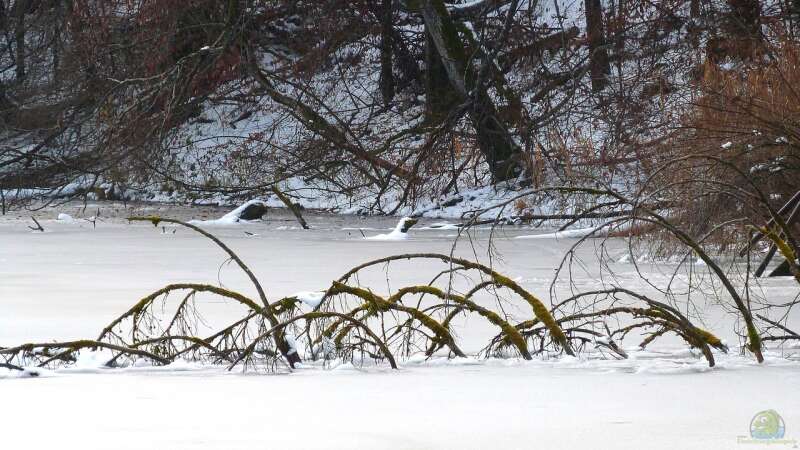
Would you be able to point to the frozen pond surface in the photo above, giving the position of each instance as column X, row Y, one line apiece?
column 71, row 280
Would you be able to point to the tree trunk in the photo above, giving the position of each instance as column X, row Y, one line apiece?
column 3, row 18
column 4, row 103
column 495, row 142
column 386, row 82
column 20, row 7
column 744, row 26
column 616, row 29
column 440, row 98
column 794, row 14
column 694, row 27
column 58, row 41
column 598, row 55
column 405, row 61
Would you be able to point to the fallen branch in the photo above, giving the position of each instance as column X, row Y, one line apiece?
column 292, row 207
column 38, row 226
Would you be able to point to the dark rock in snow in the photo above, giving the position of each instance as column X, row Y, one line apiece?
column 253, row 211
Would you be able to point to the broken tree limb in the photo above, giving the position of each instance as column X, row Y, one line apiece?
column 512, row 334
column 795, row 200
column 539, row 310
column 81, row 344
column 765, row 262
column 267, row 310
column 292, row 207
column 195, row 287
column 38, row 226
column 788, row 252
column 379, row 303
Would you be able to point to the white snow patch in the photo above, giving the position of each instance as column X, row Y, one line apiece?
column 348, row 366
column 88, row 359
column 396, row 235
column 182, row 365
column 310, row 298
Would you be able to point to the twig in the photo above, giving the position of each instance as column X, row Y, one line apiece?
column 38, row 226
column 776, row 324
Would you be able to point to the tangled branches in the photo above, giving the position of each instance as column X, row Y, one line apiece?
column 351, row 322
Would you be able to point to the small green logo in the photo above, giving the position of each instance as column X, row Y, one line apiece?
column 767, row 425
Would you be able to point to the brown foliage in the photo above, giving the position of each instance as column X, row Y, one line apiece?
column 740, row 154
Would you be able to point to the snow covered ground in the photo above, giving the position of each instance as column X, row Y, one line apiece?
column 69, row 281
column 492, row 405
